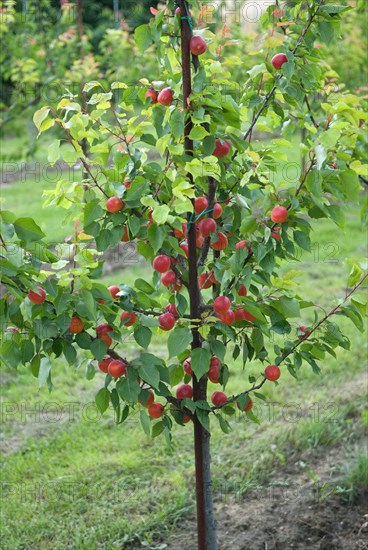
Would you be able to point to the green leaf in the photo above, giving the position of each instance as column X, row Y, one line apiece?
column 157, row 428
column 145, row 421
column 92, row 211
column 288, row 69
column 93, row 84
column 45, row 328
column 141, row 284
column 41, row 252
column 289, row 307
column 71, row 156
column 256, row 70
column 253, row 309
column 90, row 371
column 321, row 155
column 218, row 349
column 337, row 214
column 142, row 336
column 70, row 353
column 54, row 152
column 147, row 320
column 128, row 388
column 124, row 414
column 354, row 316
column 182, row 304
column 350, row 181
column 178, row 341
column 203, row 417
column 102, row 399
column 243, row 401
column 10, row 353
column 329, row 138
column 44, row 372
column 332, row 9
column 236, row 262
column 156, row 236
column 160, row 214
column 354, row 275
column 143, row 37
column 198, row 133
column 249, row 225
column 177, row 123
column 145, row 250
column 98, row 349
column 200, row 361
column 35, row 366
column 84, row 340
column 115, row 400
column 360, row 301
column 7, row 268
column 148, row 369
column 326, row 31
column 86, row 305
column 27, row 230
column 27, row 351
column 209, row 145
column 257, row 339
column 224, row 424
column 134, row 224
column 176, row 374
column 252, row 417
column 302, row 240
column 40, row 116
column 62, row 302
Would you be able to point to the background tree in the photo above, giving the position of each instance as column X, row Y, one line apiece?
column 51, row 47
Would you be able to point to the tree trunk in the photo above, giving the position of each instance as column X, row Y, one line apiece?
column 205, row 518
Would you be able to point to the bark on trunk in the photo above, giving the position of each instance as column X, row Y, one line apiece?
column 205, row 518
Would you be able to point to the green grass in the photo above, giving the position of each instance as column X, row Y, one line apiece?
column 24, row 182
column 109, row 483
column 17, row 147
column 354, row 482
column 71, row 480
column 25, row 199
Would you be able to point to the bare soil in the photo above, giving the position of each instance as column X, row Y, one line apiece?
column 290, row 513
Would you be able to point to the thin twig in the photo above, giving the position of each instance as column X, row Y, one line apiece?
column 3, row 242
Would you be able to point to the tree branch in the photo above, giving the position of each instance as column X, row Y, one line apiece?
column 323, row 320
column 327, row 316
column 3, row 242
column 314, row 122
column 157, row 313
column 303, row 179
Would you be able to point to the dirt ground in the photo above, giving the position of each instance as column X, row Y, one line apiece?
column 290, row 513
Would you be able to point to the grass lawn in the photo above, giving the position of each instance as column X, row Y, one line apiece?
column 24, row 182
column 73, row 479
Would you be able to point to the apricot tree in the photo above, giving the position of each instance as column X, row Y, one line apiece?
column 173, row 165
